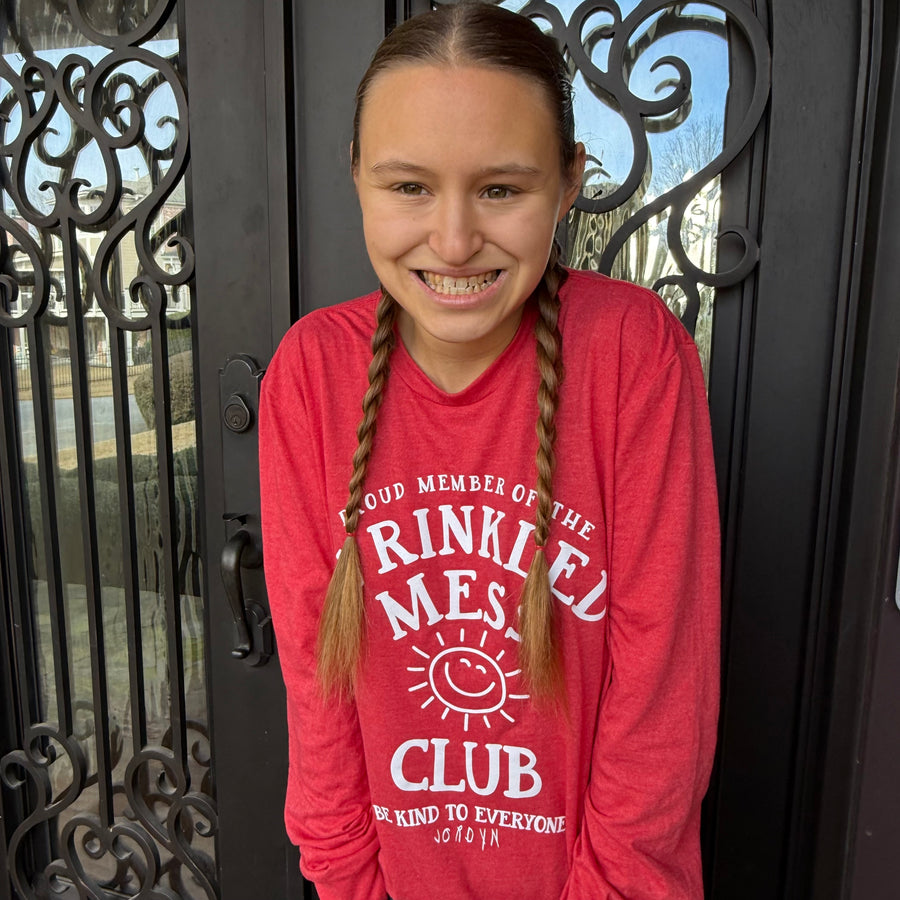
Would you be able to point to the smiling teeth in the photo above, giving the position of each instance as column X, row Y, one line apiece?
column 474, row 284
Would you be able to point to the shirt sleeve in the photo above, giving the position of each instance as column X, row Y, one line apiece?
column 328, row 812
column 655, row 736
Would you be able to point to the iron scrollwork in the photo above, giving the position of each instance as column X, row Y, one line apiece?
column 52, row 115
column 30, row 767
column 607, row 221
column 158, row 791
column 126, row 849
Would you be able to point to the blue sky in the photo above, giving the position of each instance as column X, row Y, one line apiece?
column 602, row 130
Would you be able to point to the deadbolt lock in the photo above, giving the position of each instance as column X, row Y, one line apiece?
column 237, row 415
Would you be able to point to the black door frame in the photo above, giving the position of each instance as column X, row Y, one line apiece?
column 240, row 110
column 805, row 538
column 859, row 808
column 786, row 468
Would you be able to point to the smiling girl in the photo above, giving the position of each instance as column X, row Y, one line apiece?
column 496, row 593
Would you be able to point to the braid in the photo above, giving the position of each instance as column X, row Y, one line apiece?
column 539, row 651
column 549, row 352
column 342, row 627
column 382, row 347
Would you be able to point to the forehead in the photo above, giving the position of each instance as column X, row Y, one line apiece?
column 441, row 112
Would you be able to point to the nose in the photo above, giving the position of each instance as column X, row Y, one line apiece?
column 456, row 234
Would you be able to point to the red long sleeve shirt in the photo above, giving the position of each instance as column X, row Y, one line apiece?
column 443, row 779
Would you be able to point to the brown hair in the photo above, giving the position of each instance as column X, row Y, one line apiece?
column 475, row 33
column 465, row 33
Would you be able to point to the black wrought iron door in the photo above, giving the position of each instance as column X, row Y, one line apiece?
column 142, row 739
column 108, row 777
column 175, row 193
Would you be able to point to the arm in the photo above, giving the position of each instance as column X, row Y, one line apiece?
column 655, row 737
column 328, row 812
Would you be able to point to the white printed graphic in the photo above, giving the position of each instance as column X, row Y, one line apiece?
column 466, row 680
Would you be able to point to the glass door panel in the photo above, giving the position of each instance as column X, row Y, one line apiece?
column 652, row 85
column 96, row 311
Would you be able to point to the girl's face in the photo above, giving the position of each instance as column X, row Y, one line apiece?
column 461, row 189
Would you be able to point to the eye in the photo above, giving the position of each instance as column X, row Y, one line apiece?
column 498, row 192
column 410, row 189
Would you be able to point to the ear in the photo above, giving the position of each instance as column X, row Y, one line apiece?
column 576, row 176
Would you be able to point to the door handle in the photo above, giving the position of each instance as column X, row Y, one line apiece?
column 252, row 625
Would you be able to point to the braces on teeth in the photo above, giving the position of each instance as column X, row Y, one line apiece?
column 445, row 284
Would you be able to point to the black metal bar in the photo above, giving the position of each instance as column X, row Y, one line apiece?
column 169, row 531
column 19, row 699
column 47, row 460
column 391, row 15
column 273, row 117
column 128, row 517
column 742, row 194
column 13, row 564
column 10, row 727
column 397, row 11
column 330, row 59
column 281, row 145
column 83, row 443
column 23, row 670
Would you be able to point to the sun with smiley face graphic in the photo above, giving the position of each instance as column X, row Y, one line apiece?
column 466, row 680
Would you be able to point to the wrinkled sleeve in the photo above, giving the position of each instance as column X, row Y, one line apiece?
column 328, row 812
column 655, row 736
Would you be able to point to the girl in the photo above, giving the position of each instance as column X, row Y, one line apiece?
column 507, row 685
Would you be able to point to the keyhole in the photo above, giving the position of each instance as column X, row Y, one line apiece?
column 237, row 415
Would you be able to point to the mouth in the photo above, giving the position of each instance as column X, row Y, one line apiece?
column 459, row 690
column 454, row 287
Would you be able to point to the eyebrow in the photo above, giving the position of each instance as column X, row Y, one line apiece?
column 390, row 166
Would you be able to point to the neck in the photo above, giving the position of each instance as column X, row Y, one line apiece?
column 453, row 366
